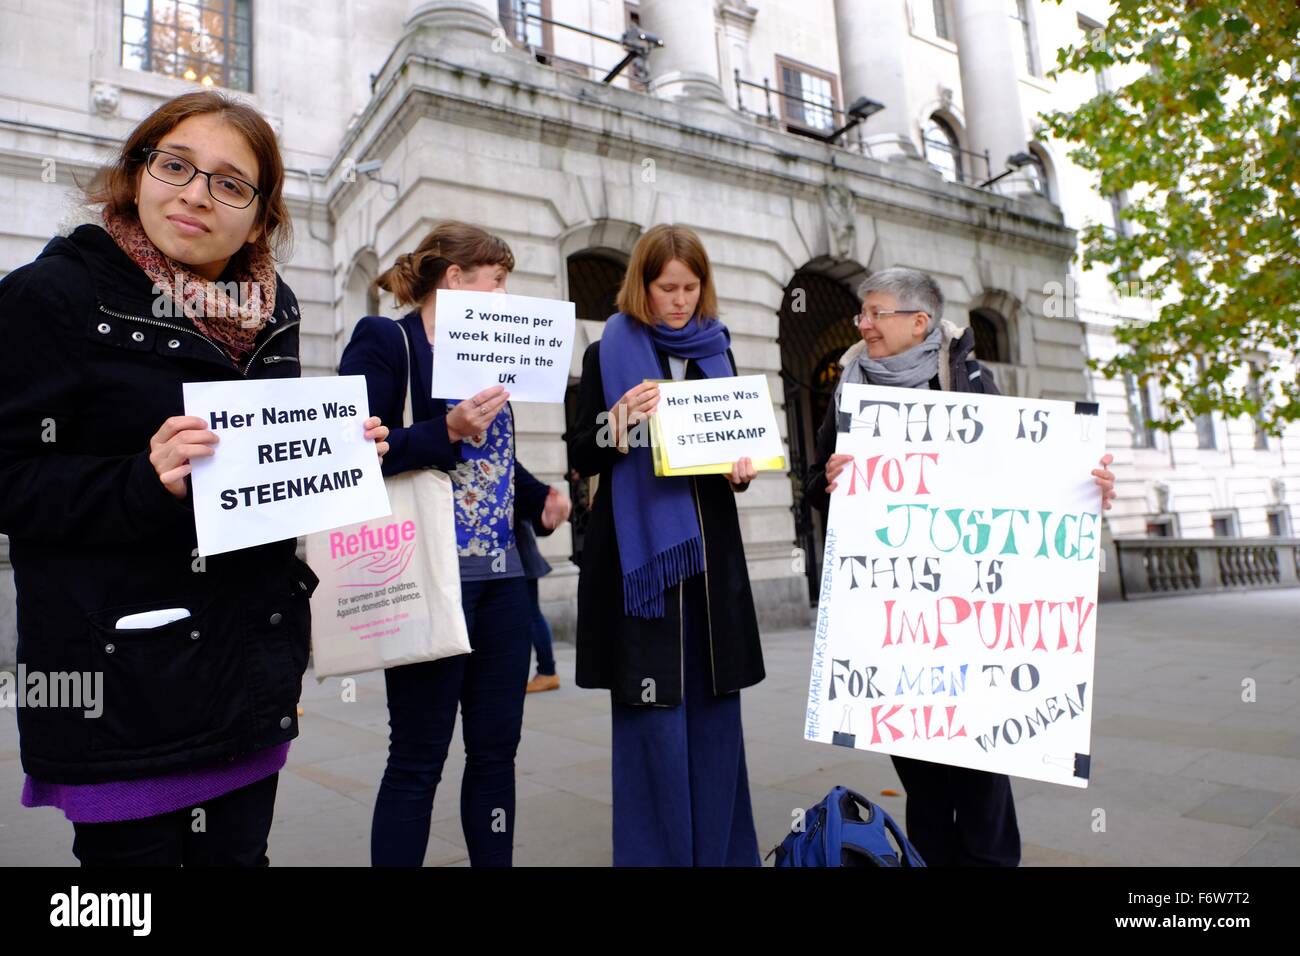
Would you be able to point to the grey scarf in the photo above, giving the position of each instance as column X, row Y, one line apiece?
column 911, row 369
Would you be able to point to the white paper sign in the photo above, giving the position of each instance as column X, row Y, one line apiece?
column 958, row 615
column 715, row 420
column 483, row 339
column 292, row 459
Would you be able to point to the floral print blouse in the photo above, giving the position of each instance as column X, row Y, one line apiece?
column 484, row 489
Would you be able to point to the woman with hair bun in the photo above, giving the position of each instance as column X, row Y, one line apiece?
column 474, row 441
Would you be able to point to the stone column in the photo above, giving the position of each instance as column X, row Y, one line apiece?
column 471, row 16
column 873, row 46
column 686, row 66
column 990, row 80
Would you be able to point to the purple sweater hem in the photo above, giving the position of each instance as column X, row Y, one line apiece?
column 120, row 800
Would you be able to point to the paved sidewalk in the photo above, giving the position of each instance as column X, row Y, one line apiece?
column 1187, row 775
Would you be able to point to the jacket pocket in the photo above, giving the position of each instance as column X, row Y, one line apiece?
column 171, row 687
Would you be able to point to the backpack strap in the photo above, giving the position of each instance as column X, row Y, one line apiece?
column 975, row 377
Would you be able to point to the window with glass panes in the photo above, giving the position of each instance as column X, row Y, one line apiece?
column 941, row 150
column 1224, row 524
column 810, row 96
column 1140, row 412
column 941, row 28
column 1025, row 30
column 209, row 42
column 1116, row 202
column 1256, row 394
column 1093, row 32
column 519, row 17
column 1205, row 437
column 1161, row 526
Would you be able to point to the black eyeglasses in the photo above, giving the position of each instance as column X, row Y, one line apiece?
column 175, row 171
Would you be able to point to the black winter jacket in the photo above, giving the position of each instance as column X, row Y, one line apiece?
column 618, row 652
column 87, row 376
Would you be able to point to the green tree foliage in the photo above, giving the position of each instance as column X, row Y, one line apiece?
column 1204, row 144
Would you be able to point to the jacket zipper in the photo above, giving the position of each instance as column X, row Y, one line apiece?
column 200, row 335
column 265, row 343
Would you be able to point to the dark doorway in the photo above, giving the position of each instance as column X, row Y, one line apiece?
column 816, row 329
column 595, row 276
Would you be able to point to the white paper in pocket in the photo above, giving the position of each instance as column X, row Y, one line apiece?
column 147, row 619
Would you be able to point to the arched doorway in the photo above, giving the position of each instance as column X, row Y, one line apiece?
column 991, row 341
column 594, row 278
column 815, row 330
column 360, row 297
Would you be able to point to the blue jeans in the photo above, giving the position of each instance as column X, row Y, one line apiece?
column 541, row 629
column 488, row 686
column 681, row 790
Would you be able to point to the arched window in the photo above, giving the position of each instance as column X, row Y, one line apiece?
column 942, row 149
column 991, row 341
column 360, row 297
column 1040, row 173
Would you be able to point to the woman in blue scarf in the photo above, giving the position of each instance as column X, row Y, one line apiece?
column 665, row 613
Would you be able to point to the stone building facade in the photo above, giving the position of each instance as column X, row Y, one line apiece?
column 728, row 116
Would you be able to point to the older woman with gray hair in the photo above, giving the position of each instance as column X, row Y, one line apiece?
column 955, row 815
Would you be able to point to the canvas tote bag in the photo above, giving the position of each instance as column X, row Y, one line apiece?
column 389, row 591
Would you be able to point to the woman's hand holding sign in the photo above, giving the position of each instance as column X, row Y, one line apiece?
column 836, row 464
column 1105, row 481
column 180, row 439
column 636, row 405
column 377, row 432
column 742, row 473
column 473, row 416
column 640, row 400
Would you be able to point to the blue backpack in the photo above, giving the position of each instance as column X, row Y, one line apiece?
column 847, row 829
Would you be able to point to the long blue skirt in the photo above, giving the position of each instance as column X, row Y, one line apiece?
column 681, row 791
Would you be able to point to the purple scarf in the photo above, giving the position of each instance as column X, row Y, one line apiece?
column 659, row 541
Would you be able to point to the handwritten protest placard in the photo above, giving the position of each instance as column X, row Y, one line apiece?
column 483, row 339
column 292, row 459
column 958, row 613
